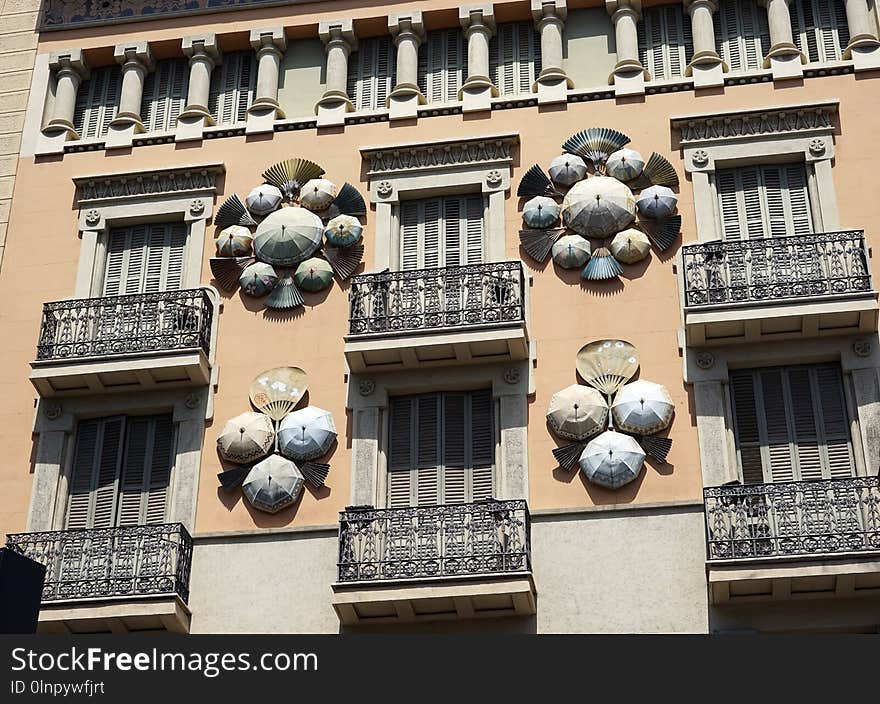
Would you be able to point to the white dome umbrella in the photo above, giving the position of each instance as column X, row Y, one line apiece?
column 245, row 438
column 540, row 212
column 577, row 412
column 234, row 241
column 263, row 199
column 571, row 251
column 306, row 434
column 567, row 169
column 343, row 231
column 612, row 459
column 273, row 484
column 258, row 279
column 624, row 164
column 317, row 194
column 598, row 207
column 630, row 246
column 657, row 202
column 642, row 407
column 288, row 236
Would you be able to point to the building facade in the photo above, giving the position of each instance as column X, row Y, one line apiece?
column 439, row 334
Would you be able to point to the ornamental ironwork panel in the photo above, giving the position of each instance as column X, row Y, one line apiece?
column 821, row 517
column 145, row 322
column 772, row 268
column 99, row 563
column 425, row 542
column 447, row 297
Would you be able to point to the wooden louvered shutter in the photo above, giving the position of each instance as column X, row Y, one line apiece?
column 441, row 60
column 473, row 225
column 482, row 445
column 164, row 95
column 774, row 199
column 819, row 28
column 409, row 235
column 145, row 259
column 452, row 231
column 385, row 71
column 400, row 454
column 164, row 260
column 146, row 470
column 742, row 34
column 512, row 57
column 428, row 450
column 232, row 87
column 110, row 101
column 429, row 222
column 247, row 76
column 665, row 41
column 371, row 73
column 797, row 199
column 456, row 436
column 453, row 66
column 791, row 424
column 726, row 185
column 95, row 473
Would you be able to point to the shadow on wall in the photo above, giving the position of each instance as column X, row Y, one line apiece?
column 526, row 625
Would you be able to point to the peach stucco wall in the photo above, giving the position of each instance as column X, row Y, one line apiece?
column 43, row 248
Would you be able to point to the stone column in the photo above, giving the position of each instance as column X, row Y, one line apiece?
column 339, row 41
column 478, row 22
column 629, row 76
column 863, row 48
column 70, row 70
column 136, row 60
column 409, row 33
column 706, row 65
column 784, row 58
column 270, row 45
column 204, row 54
column 553, row 84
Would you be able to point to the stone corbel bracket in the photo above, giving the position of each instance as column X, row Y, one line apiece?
column 711, row 137
column 431, row 166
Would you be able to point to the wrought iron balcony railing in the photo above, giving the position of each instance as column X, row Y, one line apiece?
column 103, row 563
column 426, row 542
column 775, row 268
column 113, row 325
column 473, row 295
column 790, row 519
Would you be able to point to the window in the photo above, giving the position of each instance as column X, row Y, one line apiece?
column 764, row 201
column 441, row 448
column 791, row 423
column 371, row 73
column 820, row 28
column 145, row 259
column 165, row 95
column 232, row 87
column 742, row 35
column 441, row 65
column 121, row 471
column 97, row 102
column 515, row 57
column 665, row 43
column 438, row 232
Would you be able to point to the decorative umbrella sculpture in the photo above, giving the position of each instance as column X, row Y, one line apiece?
column 277, row 481
column 624, row 193
column 612, row 460
column 571, row 251
column 639, row 410
column 294, row 217
column 273, row 483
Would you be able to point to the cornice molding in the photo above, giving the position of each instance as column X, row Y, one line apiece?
column 800, row 120
column 438, row 155
column 139, row 184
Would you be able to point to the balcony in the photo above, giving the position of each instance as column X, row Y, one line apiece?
column 131, row 578
column 437, row 317
column 429, row 563
column 793, row 539
column 124, row 343
column 777, row 288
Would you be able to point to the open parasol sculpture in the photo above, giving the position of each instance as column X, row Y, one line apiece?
column 605, row 188
column 276, row 393
column 639, row 410
column 295, row 216
column 612, row 460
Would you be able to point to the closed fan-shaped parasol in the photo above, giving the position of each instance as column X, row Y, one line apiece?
column 607, row 364
column 535, row 183
column 233, row 212
column 276, row 391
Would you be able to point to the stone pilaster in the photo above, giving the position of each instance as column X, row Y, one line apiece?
column 628, row 76
column 204, row 54
column 70, row 70
column 270, row 45
column 136, row 60
column 863, row 47
column 784, row 58
column 706, row 66
column 409, row 33
column 339, row 41
column 478, row 22
column 553, row 84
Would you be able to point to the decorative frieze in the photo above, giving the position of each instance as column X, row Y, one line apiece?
column 792, row 120
column 148, row 183
column 440, row 155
